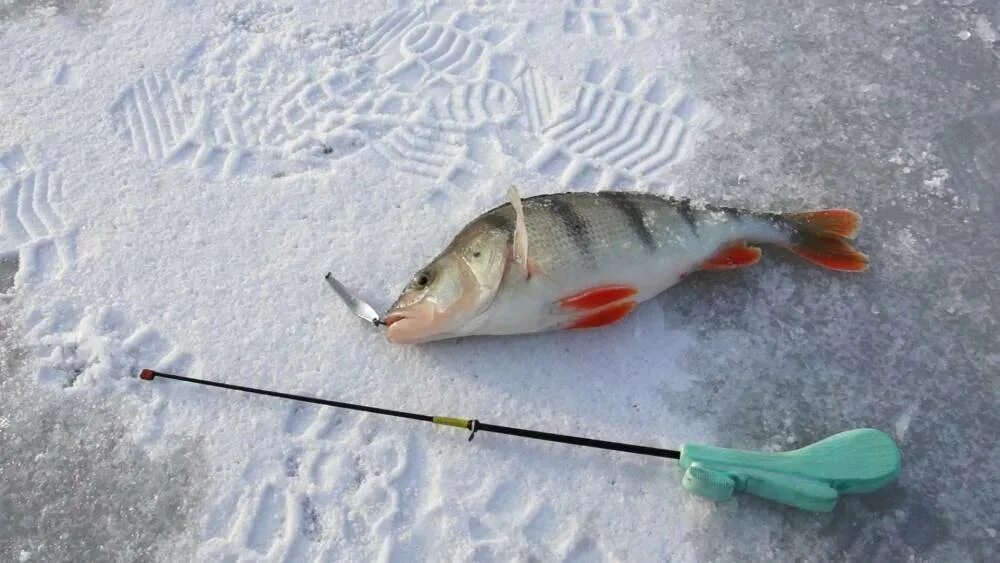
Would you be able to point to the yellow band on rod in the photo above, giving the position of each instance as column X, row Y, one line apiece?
column 449, row 421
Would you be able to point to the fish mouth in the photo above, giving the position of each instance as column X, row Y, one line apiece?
column 412, row 326
column 392, row 318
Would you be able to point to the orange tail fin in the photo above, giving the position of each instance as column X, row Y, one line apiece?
column 821, row 238
column 838, row 222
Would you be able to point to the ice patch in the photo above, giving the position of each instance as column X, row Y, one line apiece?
column 935, row 184
column 985, row 31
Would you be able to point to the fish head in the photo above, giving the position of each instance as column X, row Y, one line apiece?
column 448, row 297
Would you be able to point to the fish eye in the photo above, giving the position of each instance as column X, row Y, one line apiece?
column 421, row 280
column 476, row 254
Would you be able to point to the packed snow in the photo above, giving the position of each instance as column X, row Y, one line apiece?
column 177, row 177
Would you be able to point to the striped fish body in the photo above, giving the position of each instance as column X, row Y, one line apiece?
column 592, row 257
column 582, row 241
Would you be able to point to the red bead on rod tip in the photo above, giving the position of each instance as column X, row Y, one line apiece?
column 147, row 374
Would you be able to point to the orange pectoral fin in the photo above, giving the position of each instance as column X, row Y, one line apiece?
column 603, row 317
column 597, row 297
column 735, row 256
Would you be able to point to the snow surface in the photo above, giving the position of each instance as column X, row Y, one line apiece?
column 178, row 176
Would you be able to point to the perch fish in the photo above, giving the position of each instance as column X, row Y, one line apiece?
column 585, row 260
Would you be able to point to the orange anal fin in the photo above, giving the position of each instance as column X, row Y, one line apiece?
column 597, row 297
column 833, row 253
column 838, row 222
column 603, row 317
column 735, row 256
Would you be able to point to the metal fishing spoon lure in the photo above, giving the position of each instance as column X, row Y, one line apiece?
column 356, row 305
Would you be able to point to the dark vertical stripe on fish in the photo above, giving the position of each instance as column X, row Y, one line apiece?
column 575, row 226
column 633, row 213
column 683, row 206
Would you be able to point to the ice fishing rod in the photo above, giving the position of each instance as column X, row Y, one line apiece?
column 811, row 478
column 472, row 425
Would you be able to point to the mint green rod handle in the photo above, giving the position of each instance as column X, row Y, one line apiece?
column 810, row 478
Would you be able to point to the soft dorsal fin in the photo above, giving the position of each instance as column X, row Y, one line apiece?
column 520, row 231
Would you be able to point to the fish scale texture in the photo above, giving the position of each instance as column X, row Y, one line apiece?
column 572, row 235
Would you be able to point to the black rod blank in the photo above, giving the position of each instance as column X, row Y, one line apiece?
column 473, row 425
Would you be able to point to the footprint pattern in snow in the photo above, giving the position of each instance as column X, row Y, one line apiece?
column 413, row 92
column 619, row 131
column 35, row 241
column 538, row 101
column 291, row 123
column 340, row 484
column 98, row 345
column 423, row 91
column 101, row 348
column 158, row 119
column 352, row 483
column 448, row 67
column 497, row 520
column 618, row 18
column 388, row 29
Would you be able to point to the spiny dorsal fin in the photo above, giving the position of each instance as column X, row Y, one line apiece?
column 520, row 231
